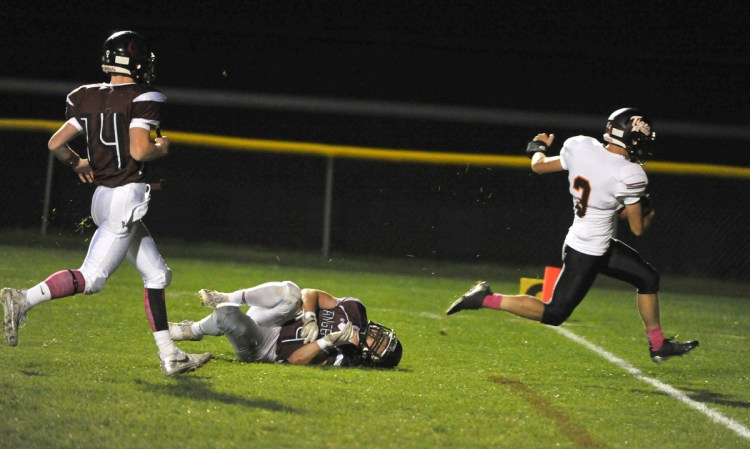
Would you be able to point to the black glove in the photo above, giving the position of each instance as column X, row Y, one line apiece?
column 535, row 146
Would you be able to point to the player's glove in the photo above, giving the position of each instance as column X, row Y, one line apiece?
column 341, row 336
column 309, row 327
column 646, row 204
column 535, row 146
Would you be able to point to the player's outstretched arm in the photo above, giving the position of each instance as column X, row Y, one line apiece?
column 537, row 152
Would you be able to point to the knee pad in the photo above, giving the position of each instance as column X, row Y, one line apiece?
column 649, row 283
column 292, row 290
column 160, row 278
column 94, row 281
column 292, row 302
column 555, row 316
column 228, row 318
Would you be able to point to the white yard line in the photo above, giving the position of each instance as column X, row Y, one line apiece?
column 715, row 416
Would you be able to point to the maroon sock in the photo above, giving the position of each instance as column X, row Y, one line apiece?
column 65, row 283
column 492, row 301
column 656, row 338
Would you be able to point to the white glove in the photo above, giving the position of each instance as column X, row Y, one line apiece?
column 309, row 327
column 331, row 339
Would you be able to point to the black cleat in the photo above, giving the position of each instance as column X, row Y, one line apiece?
column 672, row 348
column 471, row 299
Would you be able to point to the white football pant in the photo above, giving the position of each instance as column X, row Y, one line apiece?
column 117, row 211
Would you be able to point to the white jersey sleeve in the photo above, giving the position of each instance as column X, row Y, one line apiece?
column 632, row 185
column 599, row 182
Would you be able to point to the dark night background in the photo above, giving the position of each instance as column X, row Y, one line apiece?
column 685, row 64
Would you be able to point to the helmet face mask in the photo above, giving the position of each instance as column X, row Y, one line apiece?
column 379, row 346
column 629, row 129
column 127, row 53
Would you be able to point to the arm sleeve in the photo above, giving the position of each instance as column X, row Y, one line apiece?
column 147, row 110
column 355, row 311
column 71, row 109
column 564, row 155
column 632, row 183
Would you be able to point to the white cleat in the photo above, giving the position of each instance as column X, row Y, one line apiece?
column 14, row 313
column 183, row 331
column 212, row 298
column 181, row 362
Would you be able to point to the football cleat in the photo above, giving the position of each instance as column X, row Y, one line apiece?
column 183, row 331
column 212, row 298
column 672, row 348
column 14, row 313
column 181, row 362
column 471, row 299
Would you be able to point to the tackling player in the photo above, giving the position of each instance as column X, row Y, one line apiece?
column 300, row 327
column 606, row 180
column 116, row 119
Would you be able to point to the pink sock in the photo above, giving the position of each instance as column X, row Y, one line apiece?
column 492, row 301
column 656, row 337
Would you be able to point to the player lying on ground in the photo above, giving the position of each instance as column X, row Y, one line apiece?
column 603, row 178
column 116, row 119
column 289, row 325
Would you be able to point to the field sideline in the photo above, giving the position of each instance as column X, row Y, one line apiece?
column 85, row 372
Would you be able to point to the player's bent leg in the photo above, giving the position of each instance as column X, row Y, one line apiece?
column 105, row 254
column 525, row 306
column 243, row 333
column 268, row 295
column 144, row 255
column 281, row 303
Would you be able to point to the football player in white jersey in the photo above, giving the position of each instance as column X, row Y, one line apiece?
column 116, row 119
column 606, row 181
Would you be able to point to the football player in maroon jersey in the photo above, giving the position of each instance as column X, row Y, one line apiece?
column 116, row 119
column 296, row 326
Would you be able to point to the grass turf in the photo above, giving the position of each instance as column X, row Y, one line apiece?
column 85, row 373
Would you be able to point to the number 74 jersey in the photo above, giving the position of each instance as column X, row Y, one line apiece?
column 600, row 182
column 104, row 113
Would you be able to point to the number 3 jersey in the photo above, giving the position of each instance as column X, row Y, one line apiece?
column 104, row 113
column 600, row 182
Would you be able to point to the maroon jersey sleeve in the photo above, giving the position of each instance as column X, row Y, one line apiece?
column 104, row 113
column 347, row 309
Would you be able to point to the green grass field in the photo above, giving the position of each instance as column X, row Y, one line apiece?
column 85, row 373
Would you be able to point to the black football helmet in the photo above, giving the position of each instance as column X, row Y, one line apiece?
column 629, row 129
column 382, row 349
column 128, row 53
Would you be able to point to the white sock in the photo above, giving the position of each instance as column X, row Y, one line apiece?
column 237, row 297
column 38, row 293
column 207, row 326
column 195, row 328
column 165, row 344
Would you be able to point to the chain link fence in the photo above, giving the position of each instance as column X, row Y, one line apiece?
column 463, row 213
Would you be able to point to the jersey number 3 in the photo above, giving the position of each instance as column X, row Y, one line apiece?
column 582, row 185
